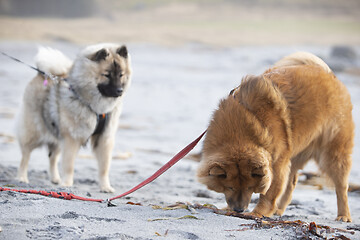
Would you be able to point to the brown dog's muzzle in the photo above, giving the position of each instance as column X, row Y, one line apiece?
column 238, row 201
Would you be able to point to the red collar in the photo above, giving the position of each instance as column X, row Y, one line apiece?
column 101, row 121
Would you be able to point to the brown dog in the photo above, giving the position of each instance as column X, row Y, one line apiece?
column 271, row 126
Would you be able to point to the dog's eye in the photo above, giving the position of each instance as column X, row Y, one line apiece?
column 107, row 75
column 254, row 175
column 222, row 176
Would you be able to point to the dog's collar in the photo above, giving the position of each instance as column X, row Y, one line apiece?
column 101, row 121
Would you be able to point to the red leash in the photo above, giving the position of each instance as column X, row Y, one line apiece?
column 69, row 196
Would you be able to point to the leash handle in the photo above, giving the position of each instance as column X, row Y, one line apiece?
column 164, row 168
column 61, row 195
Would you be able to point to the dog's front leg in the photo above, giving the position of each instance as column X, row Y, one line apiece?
column 267, row 202
column 103, row 152
column 70, row 147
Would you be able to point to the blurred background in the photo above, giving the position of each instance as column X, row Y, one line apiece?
column 222, row 23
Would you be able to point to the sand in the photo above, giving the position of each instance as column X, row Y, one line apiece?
column 180, row 74
column 169, row 104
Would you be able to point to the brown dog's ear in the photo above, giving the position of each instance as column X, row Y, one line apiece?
column 99, row 55
column 217, row 171
column 122, row 51
column 263, row 175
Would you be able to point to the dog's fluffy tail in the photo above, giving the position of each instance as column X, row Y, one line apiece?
column 52, row 61
column 302, row 58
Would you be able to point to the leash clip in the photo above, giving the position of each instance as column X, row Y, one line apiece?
column 49, row 76
column 109, row 203
column 45, row 83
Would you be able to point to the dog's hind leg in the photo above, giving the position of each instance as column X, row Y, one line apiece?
column 22, row 174
column 341, row 187
column 335, row 161
column 339, row 173
column 54, row 154
column 70, row 147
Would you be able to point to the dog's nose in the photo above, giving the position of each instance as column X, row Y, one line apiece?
column 119, row 91
column 239, row 210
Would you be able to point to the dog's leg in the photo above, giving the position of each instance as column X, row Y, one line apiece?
column 297, row 162
column 70, row 148
column 335, row 161
column 54, row 154
column 339, row 173
column 287, row 195
column 103, row 153
column 267, row 202
column 342, row 201
column 103, row 146
column 22, row 174
column 338, row 169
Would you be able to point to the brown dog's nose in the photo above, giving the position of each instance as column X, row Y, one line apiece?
column 239, row 210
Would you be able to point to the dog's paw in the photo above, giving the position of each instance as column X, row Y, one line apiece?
column 23, row 179
column 66, row 183
column 279, row 212
column 55, row 180
column 343, row 218
column 253, row 214
column 107, row 189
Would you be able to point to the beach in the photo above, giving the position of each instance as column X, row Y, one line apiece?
column 180, row 73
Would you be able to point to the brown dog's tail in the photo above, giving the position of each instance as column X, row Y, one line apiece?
column 302, row 58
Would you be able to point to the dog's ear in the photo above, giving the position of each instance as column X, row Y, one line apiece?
column 217, row 171
column 122, row 51
column 260, row 172
column 99, row 55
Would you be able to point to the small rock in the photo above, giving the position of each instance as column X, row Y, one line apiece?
column 202, row 194
column 343, row 52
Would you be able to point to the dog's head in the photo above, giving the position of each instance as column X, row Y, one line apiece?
column 234, row 156
column 114, row 70
column 101, row 74
column 237, row 176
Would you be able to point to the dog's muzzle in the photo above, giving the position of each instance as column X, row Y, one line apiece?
column 108, row 90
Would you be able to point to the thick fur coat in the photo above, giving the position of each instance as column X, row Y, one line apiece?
column 62, row 113
column 271, row 126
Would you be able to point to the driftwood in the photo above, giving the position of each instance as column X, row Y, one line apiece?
column 318, row 181
column 303, row 229
column 306, row 229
